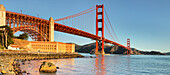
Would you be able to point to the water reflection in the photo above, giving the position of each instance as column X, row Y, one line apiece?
column 100, row 65
column 128, row 64
column 32, row 67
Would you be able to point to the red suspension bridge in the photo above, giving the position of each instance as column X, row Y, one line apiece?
column 77, row 24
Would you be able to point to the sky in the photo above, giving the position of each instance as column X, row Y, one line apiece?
column 145, row 22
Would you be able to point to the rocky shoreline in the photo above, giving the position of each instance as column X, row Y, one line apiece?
column 9, row 62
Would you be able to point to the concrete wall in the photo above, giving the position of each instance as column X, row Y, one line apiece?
column 2, row 15
column 57, row 47
column 51, row 30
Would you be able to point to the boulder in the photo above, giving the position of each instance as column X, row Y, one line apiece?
column 47, row 67
column 3, row 72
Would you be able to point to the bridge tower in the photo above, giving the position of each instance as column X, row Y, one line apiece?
column 100, row 27
column 2, row 15
column 128, row 46
column 51, row 30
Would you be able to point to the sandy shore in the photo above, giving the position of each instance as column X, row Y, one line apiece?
column 9, row 61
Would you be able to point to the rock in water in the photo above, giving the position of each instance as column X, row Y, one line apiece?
column 91, row 57
column 57, row 67
column 47, row 67
column 3, row 72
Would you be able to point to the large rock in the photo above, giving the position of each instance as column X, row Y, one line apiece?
column 3, row 72
column 47, row 67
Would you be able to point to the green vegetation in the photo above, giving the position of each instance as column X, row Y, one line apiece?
column 23, row 36
column 10, row 32
column 1, row 47
column 9, row 36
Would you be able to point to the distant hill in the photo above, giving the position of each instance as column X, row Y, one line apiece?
column 113, row 50
column 168, row 53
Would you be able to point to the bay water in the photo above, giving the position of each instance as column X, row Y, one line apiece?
column 113, row 64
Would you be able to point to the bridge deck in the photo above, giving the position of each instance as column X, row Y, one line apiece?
column 70, row 30
column 64, row 28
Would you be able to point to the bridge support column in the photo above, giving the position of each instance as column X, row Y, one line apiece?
column 51, row 30
column 2, row 15
column 100, row 27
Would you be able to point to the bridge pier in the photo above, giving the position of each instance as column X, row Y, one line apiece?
column 51, row 30
column 2, row 15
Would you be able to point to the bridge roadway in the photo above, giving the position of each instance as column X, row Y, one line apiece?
column 70, row 30
column 67, row 29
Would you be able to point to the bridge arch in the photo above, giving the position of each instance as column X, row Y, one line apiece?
column 33, row 33
column 37, row 28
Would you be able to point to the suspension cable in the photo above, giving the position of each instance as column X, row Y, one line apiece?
column 111, row 25
column 77, row 14
column 109, row 31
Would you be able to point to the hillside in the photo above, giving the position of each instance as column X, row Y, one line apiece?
column 168, row 53
column 23, row 44
column 108, row 49
column 113, row 50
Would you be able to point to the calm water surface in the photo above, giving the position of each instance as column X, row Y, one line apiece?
column 105, row 65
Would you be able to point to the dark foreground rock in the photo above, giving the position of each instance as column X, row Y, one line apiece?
column 47, row 67
column 16, row 67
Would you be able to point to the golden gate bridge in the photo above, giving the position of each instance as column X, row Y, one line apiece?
column 43, row 30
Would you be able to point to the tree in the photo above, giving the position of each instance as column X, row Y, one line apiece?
column 23, row 36
column 9, row 36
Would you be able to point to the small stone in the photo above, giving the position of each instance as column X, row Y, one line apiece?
column 24, row 71
column 23, row 60
column 57, row 67
column 91, row 57
column 28, row 73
